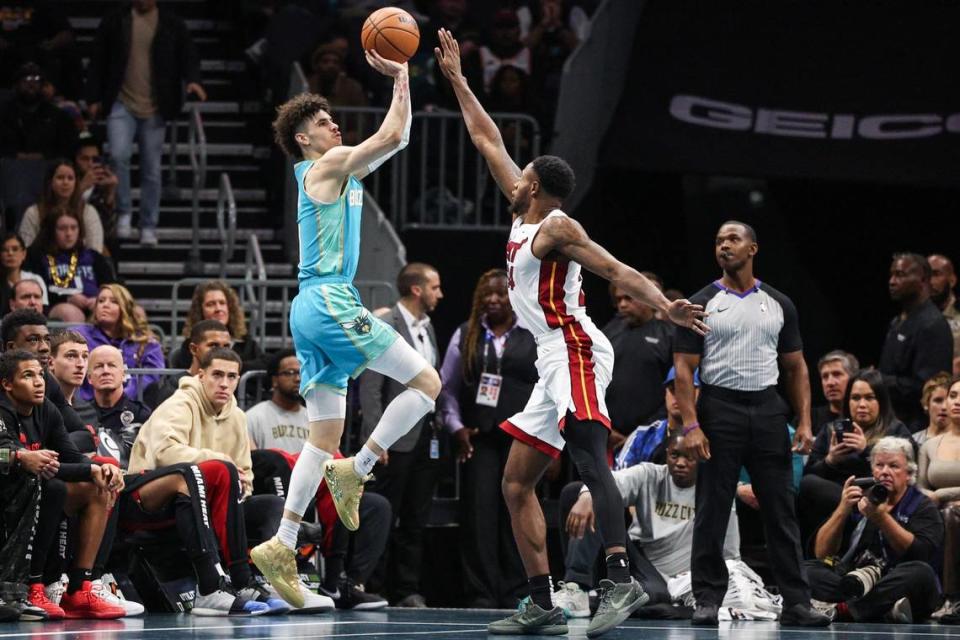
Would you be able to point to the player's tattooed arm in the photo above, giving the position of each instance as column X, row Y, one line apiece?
column 567, row 237
column 483, row 130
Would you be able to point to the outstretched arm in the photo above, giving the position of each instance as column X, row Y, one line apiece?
column 393, row 134
column 483, row 131
column 565, row 235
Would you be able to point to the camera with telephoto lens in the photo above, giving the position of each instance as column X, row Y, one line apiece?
column 875, row 492
column 858, row 582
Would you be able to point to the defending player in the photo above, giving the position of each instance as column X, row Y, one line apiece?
column 575, row 360
column 334, row 335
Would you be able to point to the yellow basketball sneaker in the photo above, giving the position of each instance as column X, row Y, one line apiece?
column 346, row 488
column 279, row 566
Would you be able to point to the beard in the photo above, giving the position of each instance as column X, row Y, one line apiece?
column 292, row 395
column 940, row 298
column 519, row 206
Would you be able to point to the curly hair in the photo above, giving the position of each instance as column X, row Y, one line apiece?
column 556, row 176
column 474, row 326
column 236, row 323
column 47, row 237
column 291, row 116
column 129, row 325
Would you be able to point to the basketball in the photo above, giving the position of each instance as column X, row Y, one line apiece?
column 391, row 32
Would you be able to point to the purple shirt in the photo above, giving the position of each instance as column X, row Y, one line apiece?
column 150, row 358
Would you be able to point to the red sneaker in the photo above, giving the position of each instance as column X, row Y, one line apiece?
column 87, row 605
column 38, row 598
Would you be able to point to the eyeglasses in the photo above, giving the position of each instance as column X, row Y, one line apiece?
column 289, row 373
column 32, row 78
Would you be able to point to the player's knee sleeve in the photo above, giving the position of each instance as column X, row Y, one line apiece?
column 400, row 361
column 324, row 403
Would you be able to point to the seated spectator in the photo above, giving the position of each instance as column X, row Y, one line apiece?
column 647, row 443
column 69, row 355
column 278, row 429
column 329, row 79
column 934, row 403
column 28, row 294
column 202, row 422
column 216, row 300
column 835, row 369
column 204, row 336
column 60, row 192
column 837, row 454
column 510, row 92
column 660, row 536
column 13, row 253
column 875, row 556
column 68, row 483
column 73, row 274
column 503, row 47
column 97, row 185
column 31, row 127
column 115, row 323
column 939, row 480
column 39, row 30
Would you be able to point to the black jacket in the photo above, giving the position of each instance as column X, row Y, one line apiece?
column 45, row 129
column 855, row 464
column 74, row 466
column 174, row 60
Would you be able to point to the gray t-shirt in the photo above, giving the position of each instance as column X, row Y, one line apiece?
column 663, row 526
column 271, row 427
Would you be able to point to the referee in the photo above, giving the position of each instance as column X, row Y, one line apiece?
column 741, row 420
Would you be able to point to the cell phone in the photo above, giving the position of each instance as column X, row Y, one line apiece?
column 841, row 427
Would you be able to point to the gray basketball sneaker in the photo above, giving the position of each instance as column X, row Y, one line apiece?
column 531, row 620
column 617, row 602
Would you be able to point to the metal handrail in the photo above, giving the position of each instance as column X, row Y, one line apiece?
column 142, row 371
column 226, row 205
column 298, row 84
column 259, row 374
column 197, row 145
column 256, row 270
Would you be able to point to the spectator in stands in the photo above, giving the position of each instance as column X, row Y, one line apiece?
column 843, row 449
column 939, row 479
column 28, row 294
column 69, row 355
column 918, row 342
column 97, row 185
column 202, row 422
column 502, row 48
column 60, row 193
column 116, row 323
column 26, row 329
column 407, row 472
column 72, row 272
column 329, row 79
column 142, row 57
column 836, row 368
column 278, row 428
column 489, row 347
column 661, row 535
column 39, row 30
column 13, row 253
column 71, row 485
column 204, row 336
column 31, row 127
column 216, row 300
column 934, row 403
column 943, row 280
column 643, row 354
column 444, row 14
column 875, row 557
column 510, row 92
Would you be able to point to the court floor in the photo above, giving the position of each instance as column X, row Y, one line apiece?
column 406, row 624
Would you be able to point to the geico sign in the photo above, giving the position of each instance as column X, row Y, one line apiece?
column 810, row 124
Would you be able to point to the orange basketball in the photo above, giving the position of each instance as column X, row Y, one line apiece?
column 392, row 32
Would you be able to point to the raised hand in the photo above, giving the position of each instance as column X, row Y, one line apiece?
column 686, row 314
column 448, row 55
column 384, row 66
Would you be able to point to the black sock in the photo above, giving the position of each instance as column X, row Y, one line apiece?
column 240, row 575
column 204, row 562
column 618, row 567
column 333, row 568
column 77, row 578
column 541, row 591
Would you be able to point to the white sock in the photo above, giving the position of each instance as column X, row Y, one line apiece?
column 398, row 418
column 305, row 478
column 287, row 533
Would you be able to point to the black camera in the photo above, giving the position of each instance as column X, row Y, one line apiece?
column 873, row 490
column 841, row 427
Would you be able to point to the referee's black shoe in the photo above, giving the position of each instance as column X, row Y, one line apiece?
column 705, row 615
column 803, row 615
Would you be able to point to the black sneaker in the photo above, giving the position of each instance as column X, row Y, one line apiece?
column 351, row 596
column 8, row 612
column 27, row 612
column 804, row 615
column 705, row 615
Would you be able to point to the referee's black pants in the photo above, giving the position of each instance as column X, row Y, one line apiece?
column 745, row 429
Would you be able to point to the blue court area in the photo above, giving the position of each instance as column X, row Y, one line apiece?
column 397, row 624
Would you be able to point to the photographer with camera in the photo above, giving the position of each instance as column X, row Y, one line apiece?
column 842, row 448
column 875, row 555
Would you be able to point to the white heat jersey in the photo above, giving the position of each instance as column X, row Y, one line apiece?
column 574, row 358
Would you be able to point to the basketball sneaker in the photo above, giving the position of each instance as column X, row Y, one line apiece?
column 87, row 605
column 346, row 488
column 278, row 564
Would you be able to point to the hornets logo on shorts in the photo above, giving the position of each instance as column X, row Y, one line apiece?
column 361, row 324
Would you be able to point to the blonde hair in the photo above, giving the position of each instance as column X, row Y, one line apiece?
column 894, row 445
column 129, row 325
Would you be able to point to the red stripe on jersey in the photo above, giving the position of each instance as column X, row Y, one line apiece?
column 553, row 276
column 526, row 438
column 583, row 381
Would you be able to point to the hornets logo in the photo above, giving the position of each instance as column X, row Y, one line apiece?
column 361, row 325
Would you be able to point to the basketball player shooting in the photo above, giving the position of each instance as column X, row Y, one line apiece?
column 545, row 253
column 334, row 335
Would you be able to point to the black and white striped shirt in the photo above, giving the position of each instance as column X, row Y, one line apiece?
column 747, row 333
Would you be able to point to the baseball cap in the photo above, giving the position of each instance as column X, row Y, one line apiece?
column 672, row 374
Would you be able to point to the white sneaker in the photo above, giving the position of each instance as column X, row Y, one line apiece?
column 947, row 608
column 223, row 602
column 148, row 237
column 106, row 589
column 313, row 602
column 124, row 226
column 572, row 599
column 56, row 589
